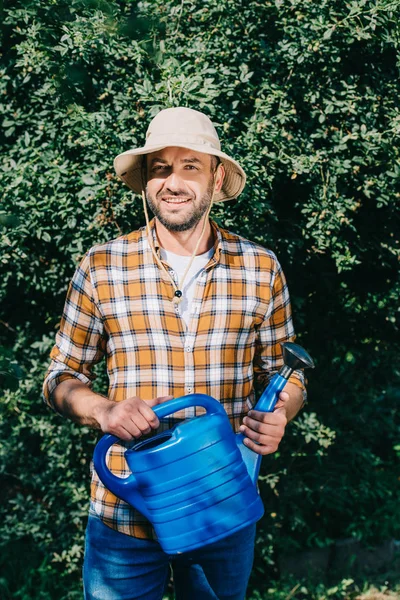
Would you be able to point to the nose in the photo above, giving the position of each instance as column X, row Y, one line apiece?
column 173, row 183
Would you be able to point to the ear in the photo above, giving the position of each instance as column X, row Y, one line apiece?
column 219, row 177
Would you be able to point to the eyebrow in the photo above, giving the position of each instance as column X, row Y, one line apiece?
column 193, row 160
column 159, row 160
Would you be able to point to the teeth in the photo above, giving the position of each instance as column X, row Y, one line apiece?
column 175, row 201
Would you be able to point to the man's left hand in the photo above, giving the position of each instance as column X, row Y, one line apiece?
column 264, row 430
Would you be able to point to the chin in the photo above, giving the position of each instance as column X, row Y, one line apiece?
column 184, row 226
column 179, row 224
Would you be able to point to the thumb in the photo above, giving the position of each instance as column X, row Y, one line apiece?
column 284, row 396
column 281, row 410
column 159, row 400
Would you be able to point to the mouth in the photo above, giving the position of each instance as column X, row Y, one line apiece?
column 175, row 200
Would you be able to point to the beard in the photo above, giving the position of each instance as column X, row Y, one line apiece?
column 191, row 219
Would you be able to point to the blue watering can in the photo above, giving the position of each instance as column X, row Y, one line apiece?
column 196, row 483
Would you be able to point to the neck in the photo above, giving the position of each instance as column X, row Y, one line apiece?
column 184, row 242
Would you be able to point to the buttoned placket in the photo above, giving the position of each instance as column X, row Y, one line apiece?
column 190, row 337
column 189, row 332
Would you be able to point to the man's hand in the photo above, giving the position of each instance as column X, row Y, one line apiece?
column 129, row 418
column 263, row 430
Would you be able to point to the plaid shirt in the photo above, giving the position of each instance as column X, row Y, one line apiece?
column 119, row 305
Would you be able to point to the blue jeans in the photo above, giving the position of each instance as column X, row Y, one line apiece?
column 121, row 567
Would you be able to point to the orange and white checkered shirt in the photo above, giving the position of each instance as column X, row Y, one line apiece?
column 119, row 305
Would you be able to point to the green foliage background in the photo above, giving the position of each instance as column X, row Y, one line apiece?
column 305, row 96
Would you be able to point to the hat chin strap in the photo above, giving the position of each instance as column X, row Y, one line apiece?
column 178, row 290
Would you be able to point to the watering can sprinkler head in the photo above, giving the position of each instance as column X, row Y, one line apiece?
column 294, row 357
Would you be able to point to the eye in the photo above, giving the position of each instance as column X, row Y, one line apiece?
column 191, row 167
column 159, row 168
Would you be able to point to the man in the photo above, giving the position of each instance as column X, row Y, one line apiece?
column 178, row 307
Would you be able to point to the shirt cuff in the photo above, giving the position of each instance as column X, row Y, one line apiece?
column 54, row 379
column 297, row 377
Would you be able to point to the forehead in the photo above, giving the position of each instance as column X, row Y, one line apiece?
column 174, row 154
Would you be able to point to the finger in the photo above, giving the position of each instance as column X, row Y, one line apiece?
column 149, row 415
column 122, row 433
column 280, row 404
column 264, row 428
column 281, row 413
column 260, row 437
column 141, row 423
column 130, row 410
column 159, row 400
column 132, row 429
column 275, row 419
column 259, row 449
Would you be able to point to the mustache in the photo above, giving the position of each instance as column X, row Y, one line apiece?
column 179, row 193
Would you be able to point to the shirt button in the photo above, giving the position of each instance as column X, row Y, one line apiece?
column 189, row 389
column 188, row 348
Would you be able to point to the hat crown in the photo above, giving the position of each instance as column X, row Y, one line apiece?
column 182, row 125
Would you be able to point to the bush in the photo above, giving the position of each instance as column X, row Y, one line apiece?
column 305, row 95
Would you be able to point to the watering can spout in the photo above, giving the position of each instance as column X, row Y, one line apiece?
column 294, row 357
column 250, row 458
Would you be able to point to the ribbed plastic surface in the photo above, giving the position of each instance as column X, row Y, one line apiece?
column 194, row 486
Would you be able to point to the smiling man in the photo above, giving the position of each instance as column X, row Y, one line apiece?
column 180, row 306
column 194, row 172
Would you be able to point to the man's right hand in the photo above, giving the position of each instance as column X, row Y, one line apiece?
column 129, row 418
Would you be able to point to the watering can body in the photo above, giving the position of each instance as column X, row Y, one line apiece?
column 197, row 482
column 190, row 482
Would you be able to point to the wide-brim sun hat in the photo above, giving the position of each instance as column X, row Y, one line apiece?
column 182, row 128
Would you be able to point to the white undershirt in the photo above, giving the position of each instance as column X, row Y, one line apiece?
column 178, row 263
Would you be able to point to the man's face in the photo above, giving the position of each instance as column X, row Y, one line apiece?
column 179, row 186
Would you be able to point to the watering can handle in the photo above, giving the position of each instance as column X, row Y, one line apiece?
column 120, row 486
column 294, row 357
column 270, row 395
column 171, row 406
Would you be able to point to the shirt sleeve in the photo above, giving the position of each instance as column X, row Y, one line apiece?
column 277, row 327
column 80, row 341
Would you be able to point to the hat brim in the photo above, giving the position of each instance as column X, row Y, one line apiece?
column 128, row 166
